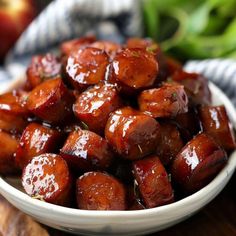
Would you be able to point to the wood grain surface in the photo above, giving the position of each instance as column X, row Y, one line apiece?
column 217, row 219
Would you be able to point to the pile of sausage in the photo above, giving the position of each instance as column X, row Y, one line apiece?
column 105, row 126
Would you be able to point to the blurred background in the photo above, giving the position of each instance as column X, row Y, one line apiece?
column 15, row 16
column 186, row 29
column 193, row 29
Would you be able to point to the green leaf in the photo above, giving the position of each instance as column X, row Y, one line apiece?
column 198, row 19
column 193, row 29
column 151, row 19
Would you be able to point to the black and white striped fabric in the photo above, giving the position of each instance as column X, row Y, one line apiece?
column 67, row 19
column 110, row 19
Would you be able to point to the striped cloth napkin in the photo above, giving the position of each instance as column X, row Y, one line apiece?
column 109, row 19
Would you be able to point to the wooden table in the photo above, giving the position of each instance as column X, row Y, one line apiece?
column 217, row 219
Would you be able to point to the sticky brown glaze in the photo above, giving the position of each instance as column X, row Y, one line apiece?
column 111, row 48
column 35, row 140
column 8, row 146
column 166, row 101
column 153, row 182
column 13, row 111
column 215, row 122
column 146, row 43
column 198, row 163
column 86, row 150
column 51, row 101
column 170, row 142
column 47, row 178
column 154, row 48
column 188, row 124
column 100, row 191
column 133, row 69
column 41, row 68
column 74, row 45
column 86, row 67
column 94, row 105
column 131, row 133
column 196, row 87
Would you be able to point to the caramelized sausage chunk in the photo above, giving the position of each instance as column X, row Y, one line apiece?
column 87, row 67
column 131, row 133
column 146, row 43
column 170, row 143
column 13, row 112
column 198, row 163
column 35, row 140
column 8, row 146
column 166, row 101
column 134, row 69
column 94, row 105
column 153, row 182
column 41, row 68
column 196, row 87
column 151, row 47
column 12, row 123
column 100, row 191
column 86, row 150
column 47, row 178
column 71, row 46
column 109, row 47
column 215, row 122
column 51, row 101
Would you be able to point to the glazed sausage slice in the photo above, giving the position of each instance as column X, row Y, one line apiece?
column 41, row 68
column 100, row 191
column 153, row 182
column 12, row 123
column 198, row 163
column 196, row 87
column 151, row 47
column 170, row 142
column 35, row 140
column 47, row 178
column 111, row 48
column 51, row 101
column 8, row 146
column 145, row 43
column 215, row 122
column 14, row 102
column 74, row 45
column 13, row 112
column 94, row 105
column 87, row 67
column 133, row 69
column 131, row 133
column 86, row 150
column 166, row 101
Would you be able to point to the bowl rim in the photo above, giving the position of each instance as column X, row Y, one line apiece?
column 7, row 189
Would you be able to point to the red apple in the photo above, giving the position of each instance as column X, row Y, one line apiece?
column 15, row 16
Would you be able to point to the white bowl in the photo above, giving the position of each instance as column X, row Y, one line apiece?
column 123, row 222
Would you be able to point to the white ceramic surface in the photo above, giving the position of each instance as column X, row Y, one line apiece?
column 123, row 222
